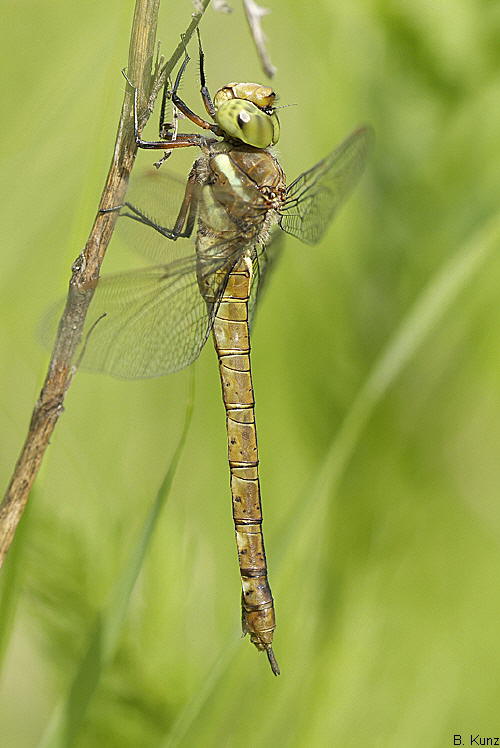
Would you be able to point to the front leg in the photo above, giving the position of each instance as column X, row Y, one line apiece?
column 205, row 93
column 183, row 107
column 183, row 227
column 182, row 141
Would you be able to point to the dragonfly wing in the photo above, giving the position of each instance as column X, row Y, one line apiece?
column 158, row 195
column 148, row 322
column 264, row 259
column 313, row 198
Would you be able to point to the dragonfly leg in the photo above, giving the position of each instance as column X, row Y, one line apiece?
column 138, row 215
column 186, row 216
column 168, row 145
column 111, row 210
column 205, row 93
column 187, row 112
column 167, row 94
column 183, row 107
column 182, row 141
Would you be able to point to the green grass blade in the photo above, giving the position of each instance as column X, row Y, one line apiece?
column 429, row 308
column 69, row 714
column 189, row 714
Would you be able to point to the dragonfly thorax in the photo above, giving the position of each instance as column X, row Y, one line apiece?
column 239, row 202
column 245, row 111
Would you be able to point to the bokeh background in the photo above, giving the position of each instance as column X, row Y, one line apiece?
column 377, row 372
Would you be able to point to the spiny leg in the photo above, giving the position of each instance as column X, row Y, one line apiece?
column 186, row 216
column 205, row 93
column 165, row 127
column 183, row 107
column 182, row 141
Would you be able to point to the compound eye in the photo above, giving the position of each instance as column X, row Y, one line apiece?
column 244, row 120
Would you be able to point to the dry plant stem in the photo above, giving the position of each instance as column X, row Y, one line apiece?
column 85, row 270
column 254, row 14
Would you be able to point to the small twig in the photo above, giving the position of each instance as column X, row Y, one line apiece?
column 85, row 270
column 254, row 14
column 222, row 6
column 219, row 5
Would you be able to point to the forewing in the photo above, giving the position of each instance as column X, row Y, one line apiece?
column 149, row 322
column 313, row 198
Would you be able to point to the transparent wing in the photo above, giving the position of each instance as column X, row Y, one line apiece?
column 148, row 322
column 313, row 198
column 158, row 194
column 264, row 259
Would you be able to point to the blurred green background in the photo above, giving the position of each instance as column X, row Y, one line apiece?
column 377, row 371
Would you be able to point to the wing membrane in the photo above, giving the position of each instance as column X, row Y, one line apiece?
column 148, row 322
column 313, row 198
column 264, row 259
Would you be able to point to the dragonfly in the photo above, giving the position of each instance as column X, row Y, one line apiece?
column 156, row 320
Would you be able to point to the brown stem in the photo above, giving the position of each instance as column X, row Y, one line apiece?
column 85, row 270
column 254, row 14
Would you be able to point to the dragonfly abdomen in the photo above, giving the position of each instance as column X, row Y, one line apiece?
column 231, row 338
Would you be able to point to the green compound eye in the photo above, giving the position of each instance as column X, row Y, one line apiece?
column 243, row 120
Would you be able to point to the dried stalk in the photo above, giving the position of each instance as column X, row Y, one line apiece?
column 85, row 270
column 254, row 14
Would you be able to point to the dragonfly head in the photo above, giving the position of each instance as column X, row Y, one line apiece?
column 246, row 111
